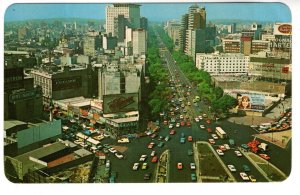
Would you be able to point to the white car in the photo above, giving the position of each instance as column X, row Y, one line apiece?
column 170, row 126
column 212, row 141
column 135, row 166
column 200, row 117
column 220, row 152
column 177, row 124
column 244, row 176
column 78, row 142
column 231, row 168
column 227, row 146
column 214, row 136
column 112, row 150
column 123, row 140
column 153, row 153
column 238, row 153
column 202, row 126
column 193, row 166
column 181, row 116
column 119, row 156
column 107, row 164
column 143, row 158
column 197, row 119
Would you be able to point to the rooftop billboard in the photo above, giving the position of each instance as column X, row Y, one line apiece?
column 117, row 103
column 251, row 101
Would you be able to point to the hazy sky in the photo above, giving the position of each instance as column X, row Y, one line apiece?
column 275, row 12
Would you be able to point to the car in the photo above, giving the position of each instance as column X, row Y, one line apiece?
column 193, row 166
column 182, row 140
column 172, row 132
column 209, row 130
column 238, row 153
column 214, row 136
column 190, row 138
column 180, row 99
column 231, row 142
column 154, row 159
column 208, row 121
column 184, row 111
column 244, row 176
column 143, row 158
column 77, row 142
column 200, row 117
column 147, row 176
column 227, row 146
column 160, row 137
column 177, row 125
column 246, row 168
column 179, row 166
column 112, row 150
column 144, row 166
column 190, row 152
column 167, row 138
column 189, row 103
column 105, row 150
column 245, row 146
column 231, row 168
column 107, row 164
column 265, row 156
column 161, row 144
column 197, row 119
column 204, row 115
column 182, row 123
column 119, row 156
column 222, row 147
column 135, row 166
column 182, row 134
column 123, row 140
column 182, row 105
column 151, row 145
column 181, row 116
column 193, row 177
column 220, row 152
column 154, row 135
column 252, row 178
column 188, row 123
column 165, row 122
column 202, row 126
column 170, row 126
column 153, row 153
column 211, row 141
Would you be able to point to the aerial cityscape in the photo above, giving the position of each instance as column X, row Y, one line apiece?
column 119, row 93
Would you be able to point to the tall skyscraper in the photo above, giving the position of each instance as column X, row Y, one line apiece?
column 130, row 11
column 182, row 32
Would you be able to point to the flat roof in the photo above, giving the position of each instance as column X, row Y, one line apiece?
column 124, row 120
column 12, row 123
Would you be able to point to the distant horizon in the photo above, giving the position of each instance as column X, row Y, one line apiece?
column 256, row 12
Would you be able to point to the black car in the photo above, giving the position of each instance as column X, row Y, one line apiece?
column 147, row 176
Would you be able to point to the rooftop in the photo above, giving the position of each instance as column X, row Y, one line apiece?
column 12, row 123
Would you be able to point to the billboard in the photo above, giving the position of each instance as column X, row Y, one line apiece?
column 117, row 103
column 282, row 29
column 66, row 83
column 13, row 78
column 251, row 101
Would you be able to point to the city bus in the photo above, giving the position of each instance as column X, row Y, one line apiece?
column 221, row 133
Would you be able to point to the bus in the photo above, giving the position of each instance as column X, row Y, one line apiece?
column 221, row 133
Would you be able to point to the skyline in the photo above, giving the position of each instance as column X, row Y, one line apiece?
column 277, row 12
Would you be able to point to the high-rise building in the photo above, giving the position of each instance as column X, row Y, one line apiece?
column 130, row 11
column 144, row 23
column 120, row 23
column 92, row 43
column 182, row 32
column 246, row 45
column 139, row 43
column 197, row 42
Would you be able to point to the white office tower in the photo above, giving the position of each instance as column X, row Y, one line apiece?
column 130, row 11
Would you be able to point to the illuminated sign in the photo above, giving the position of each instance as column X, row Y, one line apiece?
column 66, row 83
column 120, row 103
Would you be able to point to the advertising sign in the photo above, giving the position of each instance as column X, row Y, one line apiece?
column 13, row 78
column 282, row 29
column 117, row 103
column 251, row 101
column 66, row 83
column 25, row 95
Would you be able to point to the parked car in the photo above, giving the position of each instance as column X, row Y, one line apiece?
column 154, row 159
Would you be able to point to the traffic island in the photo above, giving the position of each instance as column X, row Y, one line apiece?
column 268, row 170
column 162, row 171
column 210, row 166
